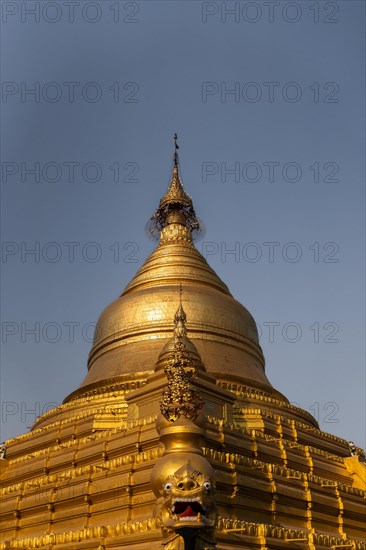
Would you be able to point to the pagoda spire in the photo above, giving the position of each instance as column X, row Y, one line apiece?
column 180, row 398
column 176, row 147
column 180, row 318
column 176, row 205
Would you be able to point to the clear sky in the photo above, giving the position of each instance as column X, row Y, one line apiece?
column 267, row 99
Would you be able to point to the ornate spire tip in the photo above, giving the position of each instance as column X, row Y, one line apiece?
column 176, row 147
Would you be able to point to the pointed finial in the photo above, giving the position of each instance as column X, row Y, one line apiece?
column 176, row 147
column 180, row 397
column 175, row 157
column 180, row 317
column 175, row 207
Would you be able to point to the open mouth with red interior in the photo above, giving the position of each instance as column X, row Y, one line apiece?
column 187, row 508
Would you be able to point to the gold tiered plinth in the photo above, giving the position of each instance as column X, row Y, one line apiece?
column 81, row 478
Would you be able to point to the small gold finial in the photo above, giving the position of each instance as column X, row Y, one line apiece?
column 180, row 398
column 180, row 318
column 175, row 206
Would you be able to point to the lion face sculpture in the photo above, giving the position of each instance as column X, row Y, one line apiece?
column 188, row 500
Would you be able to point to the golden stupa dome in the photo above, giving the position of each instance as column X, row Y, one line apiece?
column 133, row 330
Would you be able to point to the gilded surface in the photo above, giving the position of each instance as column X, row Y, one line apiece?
column 131, row 332
column 188, row 509
column 175, row 206
column 91, row 472
column 180, row 398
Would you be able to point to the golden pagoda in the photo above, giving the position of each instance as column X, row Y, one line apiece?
column 176, row 439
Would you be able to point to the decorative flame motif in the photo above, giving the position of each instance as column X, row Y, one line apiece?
column 180, row 398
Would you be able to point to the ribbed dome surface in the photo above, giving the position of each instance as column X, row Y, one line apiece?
column 132, row 331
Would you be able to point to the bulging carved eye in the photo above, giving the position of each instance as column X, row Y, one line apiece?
column 207, row 485
column 167, row 487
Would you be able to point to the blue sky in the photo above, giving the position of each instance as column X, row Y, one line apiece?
column 267, row 99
